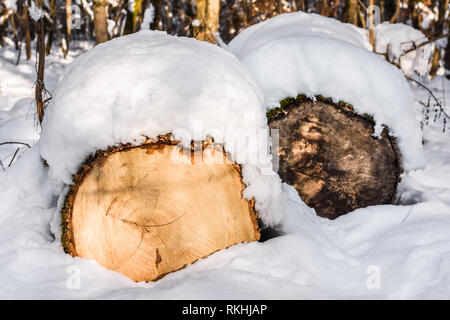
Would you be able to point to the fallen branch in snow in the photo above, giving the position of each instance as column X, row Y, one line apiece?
column 15, row 142
column 437, row 103
column 323, row 153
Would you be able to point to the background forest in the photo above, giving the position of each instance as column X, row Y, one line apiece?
column 213, row 20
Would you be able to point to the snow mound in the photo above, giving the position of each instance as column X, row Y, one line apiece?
column 150, row 84
column 299, row 53
column 295, row 25
column 396, row 39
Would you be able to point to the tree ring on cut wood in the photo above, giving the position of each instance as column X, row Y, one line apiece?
column 328, row 154
column 148, row 210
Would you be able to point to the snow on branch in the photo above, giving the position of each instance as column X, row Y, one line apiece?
column 149, row 16
column 35, row 12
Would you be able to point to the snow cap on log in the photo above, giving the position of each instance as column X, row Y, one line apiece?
column 299, row 53
column 149, row 84
column 395, row 39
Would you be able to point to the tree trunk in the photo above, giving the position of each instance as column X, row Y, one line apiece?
column 413, row 14
column 327, row 153
column 26, row 27
column 440, row 26
column 150, row 210
column 14, row 31
column 68, row 23
column 39, row 85
column 435, row 63
column 100, row 21
column 48, row 47
column 362, row 19
column 137, row 14
column 208, row 16
column 396, row 12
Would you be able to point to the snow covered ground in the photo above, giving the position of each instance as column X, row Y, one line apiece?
column 392, row 251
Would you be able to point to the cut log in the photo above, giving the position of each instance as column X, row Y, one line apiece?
column 328, row 154
column 149, row 210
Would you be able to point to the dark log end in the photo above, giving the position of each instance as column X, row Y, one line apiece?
column 327, row 152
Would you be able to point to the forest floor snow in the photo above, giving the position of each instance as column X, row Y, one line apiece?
column 390, row 251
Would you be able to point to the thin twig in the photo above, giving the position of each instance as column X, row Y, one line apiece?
column 317, row 177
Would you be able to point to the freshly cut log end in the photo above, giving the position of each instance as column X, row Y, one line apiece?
column 328, row 154
column 149, row 210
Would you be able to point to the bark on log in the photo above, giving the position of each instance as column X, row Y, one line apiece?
column 149, row 210
column 328, row 154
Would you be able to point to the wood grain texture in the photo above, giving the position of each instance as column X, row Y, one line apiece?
column 327, row 152
column 151, row 210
